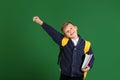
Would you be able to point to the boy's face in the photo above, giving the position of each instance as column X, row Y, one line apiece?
column 70, row 31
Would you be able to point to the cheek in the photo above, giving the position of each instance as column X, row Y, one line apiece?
column 67, row 34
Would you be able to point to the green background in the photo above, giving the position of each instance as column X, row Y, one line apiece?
column 28, row 53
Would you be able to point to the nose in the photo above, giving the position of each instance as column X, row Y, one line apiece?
column 71, row 31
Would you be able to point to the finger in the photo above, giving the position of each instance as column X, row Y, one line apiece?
column 83, row 69
column 34, row 18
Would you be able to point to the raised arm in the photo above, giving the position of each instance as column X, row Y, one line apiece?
column 56, row 36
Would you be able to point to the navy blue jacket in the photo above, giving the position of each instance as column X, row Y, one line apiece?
column 71, row 57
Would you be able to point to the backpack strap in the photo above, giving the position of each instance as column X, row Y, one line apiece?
column 87, row 46
column 86, row 49
column 64, row 41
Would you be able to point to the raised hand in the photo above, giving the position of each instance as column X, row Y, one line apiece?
column 37, row 20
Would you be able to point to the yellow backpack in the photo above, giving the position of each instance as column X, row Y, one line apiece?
column 86, row 48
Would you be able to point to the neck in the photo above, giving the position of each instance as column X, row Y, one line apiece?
column 76, row 37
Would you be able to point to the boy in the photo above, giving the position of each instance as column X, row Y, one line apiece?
column 71, row 54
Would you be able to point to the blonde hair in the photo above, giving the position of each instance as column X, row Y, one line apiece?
column 64, row 25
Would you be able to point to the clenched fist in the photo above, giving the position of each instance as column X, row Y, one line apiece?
column 37, row 20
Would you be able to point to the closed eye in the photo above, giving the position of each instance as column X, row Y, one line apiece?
column 67, row 31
